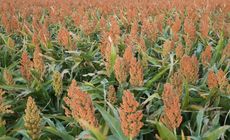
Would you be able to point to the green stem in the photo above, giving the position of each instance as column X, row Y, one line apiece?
column 186, row 97
column 58, row 103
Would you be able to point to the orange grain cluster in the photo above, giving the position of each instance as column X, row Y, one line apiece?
column 177, row 83
column 212, row 80
column 43, row 34
column 11, row 23
column 35, row 39
column 222, row 80
column 128, row 65
column 189, row 28
column 206, row 56
column 204, row 25
column 189, row 68
column 130, row 116
column 120, row 69
column 218, row 80
column 176, row 25
column 26, row 65
column 8, row 78
column 179, row 51
column 151, row 13
column 104, row 44
column 188, row 42
column 172, row 115
column 127, row 56
column 167, row 48
column 38, row 61
column 112, row 95
column 132, row 39
column 87, row 24
column 114, row 30
column 136, row 73
column 63, row 37
column 134, row 32
column 141, row 43
column 80, row 106
column 149, row 28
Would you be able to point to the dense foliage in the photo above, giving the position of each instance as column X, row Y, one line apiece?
column 114, row 69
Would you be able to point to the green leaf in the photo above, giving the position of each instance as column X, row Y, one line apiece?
column 23, row 133
column 165, row 133
column 157, row 76
column 7, row 138
column 199, row 120
column 150, row 98
column 95, row 132
column 113, row 123
column 2, row 130
column 216, row 119
column 64, row 135
column 3, row 38
column 112, row 138
column 185, row 102
column 150, row 59
column 216, row 133
column 218, row 50
column 14, row 87
column 112, row 57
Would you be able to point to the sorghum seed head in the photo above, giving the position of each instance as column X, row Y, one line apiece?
column 172, row 115
column 130, row 116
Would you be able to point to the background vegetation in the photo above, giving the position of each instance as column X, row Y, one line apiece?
column 114, row 69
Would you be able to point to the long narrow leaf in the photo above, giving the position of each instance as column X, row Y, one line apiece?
column 113, row 123
column 216, row 133
column 164, row 132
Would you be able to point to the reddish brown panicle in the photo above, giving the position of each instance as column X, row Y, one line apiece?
column 189, row 68
column 172, row 114
column 136, row 73
column 26, row 65
column 204, row 25
column 206, row 56
column 167, row 48
column 212, row 80
column 189, row 28
column 112, row 95
column 176, row 25
column 222, row 80
column 179, row 51
column 114, row 30
column 38, row 61
column 120, row 69
column 64, row 37
column 80, row 106
column 177, row 83
column 130, row 116
column 127, row 56
column 8, row 78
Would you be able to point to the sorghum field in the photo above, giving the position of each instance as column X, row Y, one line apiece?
column 114, row 69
